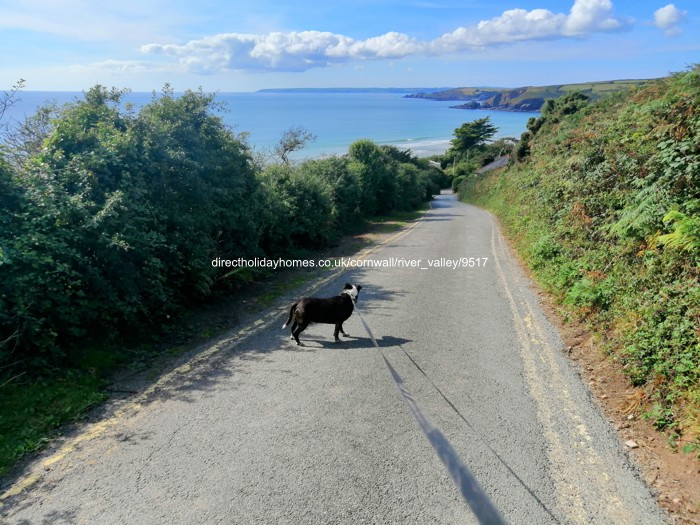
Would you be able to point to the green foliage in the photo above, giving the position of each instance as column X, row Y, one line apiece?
column 686, row 231
column 465, row 172
column 566, row 105
column 471, row 134
column 302, row 208
column 391, row 179
column 117, row 218
column 522, row 149
column 463, row 169
column 470, row 137
column 457, row 181
column 546, row 249
column 591, row 295
column 344, row 189
column 31, row 409
column 553, row 110
column 111, row 217
column 374, row 170
column 605, row 204
column 199, row 177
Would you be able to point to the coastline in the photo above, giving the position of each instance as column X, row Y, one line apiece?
column 336, row 119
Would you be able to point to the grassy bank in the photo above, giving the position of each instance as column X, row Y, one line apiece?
column 604, row 206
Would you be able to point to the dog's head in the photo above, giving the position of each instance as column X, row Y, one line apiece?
column 352, row 290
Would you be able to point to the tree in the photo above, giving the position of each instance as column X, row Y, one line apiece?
column 293, row 139
column 470, row 135
column 8, row 98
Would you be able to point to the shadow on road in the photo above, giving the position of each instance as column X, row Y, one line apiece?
column 440, row 216
column 207, row 369
column 313, row 344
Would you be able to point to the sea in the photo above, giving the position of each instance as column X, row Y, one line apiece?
column 422, row 126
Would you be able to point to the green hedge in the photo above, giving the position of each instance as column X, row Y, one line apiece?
column 606, row 207
column 111, row 217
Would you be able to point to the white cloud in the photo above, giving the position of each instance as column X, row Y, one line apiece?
column 299, row 51
column 591, row 15
column 668, row 19
column 296, row 51
column 512, row 26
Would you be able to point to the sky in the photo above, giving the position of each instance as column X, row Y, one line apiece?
column 242, row 46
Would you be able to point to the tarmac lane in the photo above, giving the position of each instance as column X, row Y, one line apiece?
column 255, row 429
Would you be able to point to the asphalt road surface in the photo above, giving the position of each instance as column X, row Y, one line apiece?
column 258, row 430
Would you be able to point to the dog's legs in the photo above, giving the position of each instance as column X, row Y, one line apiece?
column 294, row 327
column 300, row 329
column 339, row 328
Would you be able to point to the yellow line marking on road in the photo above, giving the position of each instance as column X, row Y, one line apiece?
column 567, row 497
column 555, row 381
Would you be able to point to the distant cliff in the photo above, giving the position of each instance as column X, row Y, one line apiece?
column 529, row 98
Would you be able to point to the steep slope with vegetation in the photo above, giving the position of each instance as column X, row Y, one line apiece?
column 110, row 219
column 604, row 204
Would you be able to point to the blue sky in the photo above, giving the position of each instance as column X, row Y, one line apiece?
column 71, row 45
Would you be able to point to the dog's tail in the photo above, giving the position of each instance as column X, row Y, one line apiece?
column 291, row 314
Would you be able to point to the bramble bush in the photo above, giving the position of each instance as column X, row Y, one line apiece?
column 604, row 203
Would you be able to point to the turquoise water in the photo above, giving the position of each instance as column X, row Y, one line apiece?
column 337, row 119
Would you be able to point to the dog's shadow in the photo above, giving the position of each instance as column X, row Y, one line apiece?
column 312, row 344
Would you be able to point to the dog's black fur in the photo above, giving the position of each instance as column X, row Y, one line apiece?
column 333, row 310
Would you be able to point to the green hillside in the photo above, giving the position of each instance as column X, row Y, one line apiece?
column 529, row 98
column 603, row 202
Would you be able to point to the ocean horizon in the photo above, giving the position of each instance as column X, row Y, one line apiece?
column 337, row 118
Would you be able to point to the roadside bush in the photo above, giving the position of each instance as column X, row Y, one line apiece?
column 112, row 217
column 303, row 214
column 376, row 176
column 120, row 218
column 463, row 169
column 344, row 186
column 456, row 181
column 410, row 186
column 605, row 203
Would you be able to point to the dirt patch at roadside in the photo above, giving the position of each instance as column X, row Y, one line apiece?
column 673, row 476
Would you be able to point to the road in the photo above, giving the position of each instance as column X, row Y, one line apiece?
column 258, row 430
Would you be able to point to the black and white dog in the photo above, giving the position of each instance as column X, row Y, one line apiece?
column 333, row 310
